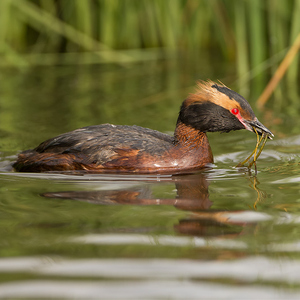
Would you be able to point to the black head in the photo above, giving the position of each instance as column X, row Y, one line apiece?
column 215, row 107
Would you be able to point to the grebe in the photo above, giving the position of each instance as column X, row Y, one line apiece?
column 134, row 149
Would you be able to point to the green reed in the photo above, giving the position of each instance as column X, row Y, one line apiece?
column 247, row 33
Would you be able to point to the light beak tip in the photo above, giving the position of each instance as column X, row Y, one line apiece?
column 270, row 134
column 262, row 129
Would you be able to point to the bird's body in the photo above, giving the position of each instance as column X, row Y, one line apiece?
column 117, row 148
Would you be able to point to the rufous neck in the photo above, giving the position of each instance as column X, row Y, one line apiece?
column 187, row 135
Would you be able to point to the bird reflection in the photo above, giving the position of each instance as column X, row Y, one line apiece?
column 192, row 196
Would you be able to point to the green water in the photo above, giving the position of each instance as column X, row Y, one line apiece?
column 218, row 233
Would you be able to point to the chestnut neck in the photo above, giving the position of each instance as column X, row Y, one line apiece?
column 189, row 136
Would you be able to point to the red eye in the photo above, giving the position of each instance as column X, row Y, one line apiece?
column 235, row 111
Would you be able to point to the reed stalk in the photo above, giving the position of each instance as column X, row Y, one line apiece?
column 258, row 42
column 242, row 46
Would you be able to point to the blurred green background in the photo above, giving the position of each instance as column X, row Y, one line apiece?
column 248, row 38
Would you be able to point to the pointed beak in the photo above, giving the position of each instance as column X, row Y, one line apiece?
column 260, row 128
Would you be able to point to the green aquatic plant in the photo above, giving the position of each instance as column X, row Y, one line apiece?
column 260, row 141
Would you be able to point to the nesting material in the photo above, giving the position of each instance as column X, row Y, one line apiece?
column 260, row 142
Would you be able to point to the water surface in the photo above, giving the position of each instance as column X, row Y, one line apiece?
column 221, row 233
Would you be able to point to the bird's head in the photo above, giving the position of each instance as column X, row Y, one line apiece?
column 215, row 107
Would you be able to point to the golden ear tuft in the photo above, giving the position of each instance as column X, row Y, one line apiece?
column 206, row 92
column 207, row 84
column 205, row 87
